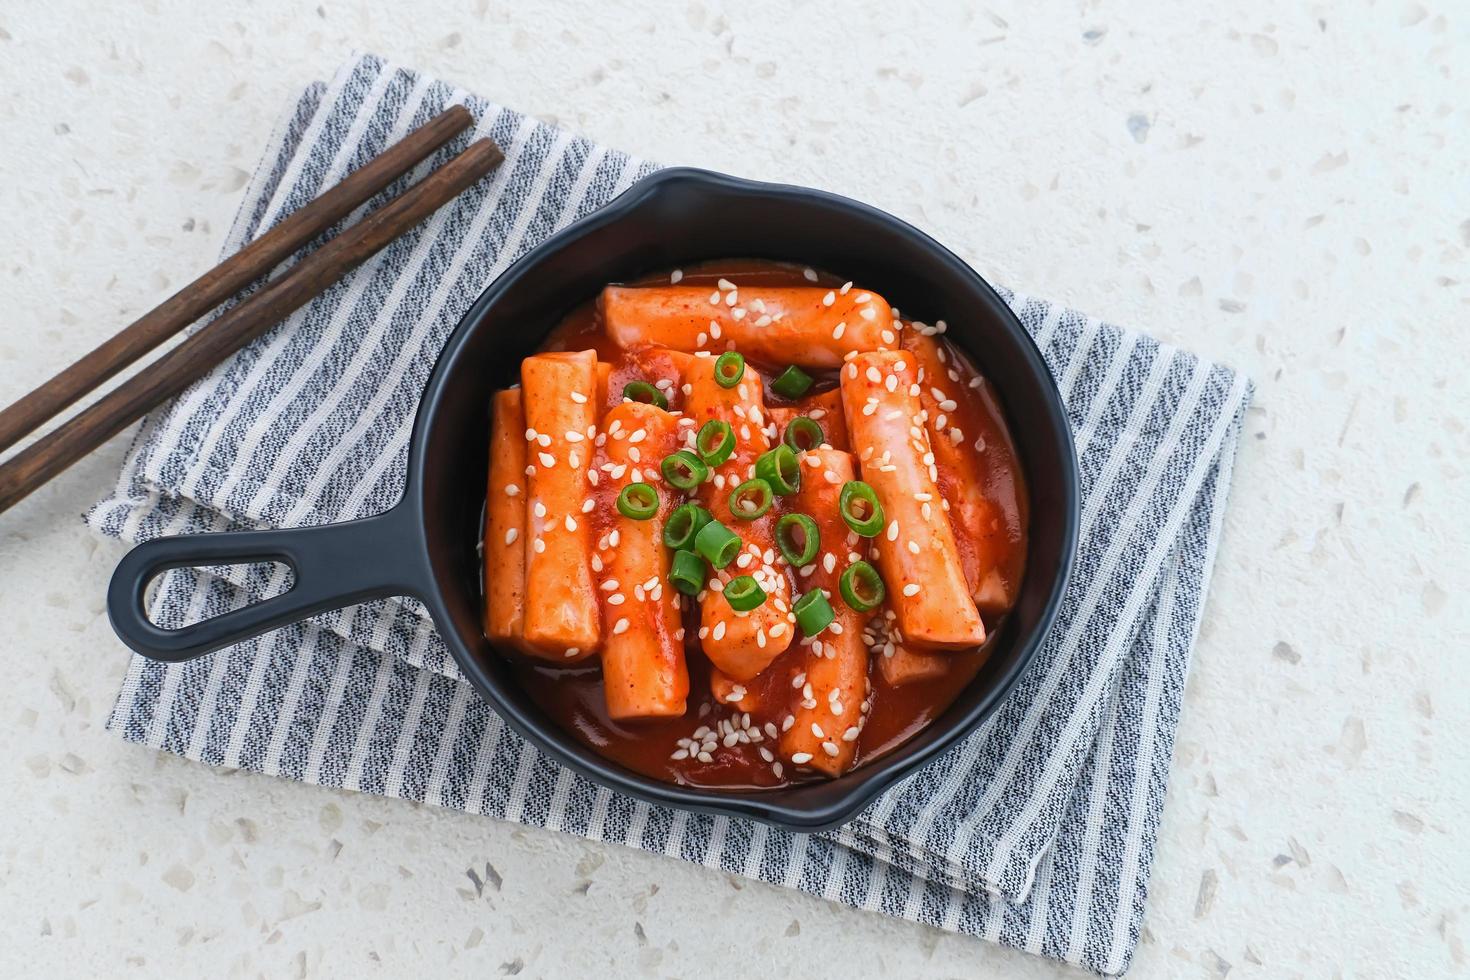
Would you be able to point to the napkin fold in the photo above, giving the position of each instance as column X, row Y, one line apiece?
column 1037, row 831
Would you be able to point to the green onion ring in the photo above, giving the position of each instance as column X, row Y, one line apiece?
column 792, row 383
column 803, row 433
column 638, row 501
column 683, row 524
column 813, row 613
column 856, row 493
column 862, row 586
column 742, row 507
column 642, row 391
column 811, row 539
column 729, row 369
column 684, row 470
column 744, row 593
column 715, row 442
column 780, row 469
column 717, row 543
column 688, row 572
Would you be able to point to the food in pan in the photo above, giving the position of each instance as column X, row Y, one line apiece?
column 747, row 525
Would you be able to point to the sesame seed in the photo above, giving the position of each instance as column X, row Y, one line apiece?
column 530, row 435
column 829, row 299
column 829, row 748
column 874, row 376
column 837, row 330
column 620, row 627
column 851, row 734
column 546, row 459
column 810, row 274
column 573, row 651
column 616, row 599
column 867, row 313
column 543, row 439
column 949, row 405
column 912, row 589
column 913, row 547
column 893, row 530
column 719, row 631
column 888, row 336
column 511, row 534
column 538, row 545
column 714, row 298
column 675, row 276
column 801, row 757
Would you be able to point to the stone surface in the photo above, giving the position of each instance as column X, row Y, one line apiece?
column 1284, row 187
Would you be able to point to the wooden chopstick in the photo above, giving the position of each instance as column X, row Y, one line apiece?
column 177, row 369
column 228, row 278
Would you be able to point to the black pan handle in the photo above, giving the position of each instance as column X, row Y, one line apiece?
column 335, row 564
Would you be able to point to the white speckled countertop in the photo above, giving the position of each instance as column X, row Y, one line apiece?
column 1283, row 187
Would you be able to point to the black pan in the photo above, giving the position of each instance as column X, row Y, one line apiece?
column 426, row 545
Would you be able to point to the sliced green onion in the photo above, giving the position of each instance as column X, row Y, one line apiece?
column 751, row 499
column 683, row 524
column 717, row 543
column 642, row 391
column 684, row 470
column 729, row 369
column 803, row 433
column 792, row 383
column 744, row 593
column 860, row 508
column 862, row 586
column 811, row 539
column 813, row 613
column 780, row 469
column 687, row 573
column 715, row 442
column 638, row 501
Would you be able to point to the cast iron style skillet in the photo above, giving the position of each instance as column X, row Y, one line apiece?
column 425, row 546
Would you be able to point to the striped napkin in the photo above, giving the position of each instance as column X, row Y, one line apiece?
column 1037, row 832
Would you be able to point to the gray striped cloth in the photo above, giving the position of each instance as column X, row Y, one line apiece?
column 1037, row 832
